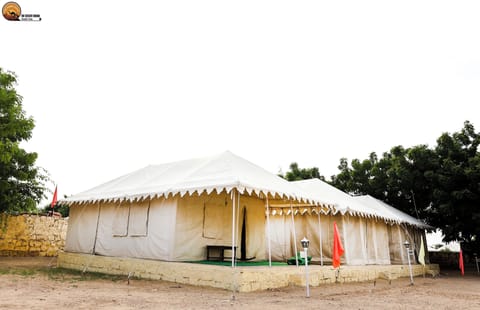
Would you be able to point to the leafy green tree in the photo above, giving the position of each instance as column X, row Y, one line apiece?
column 296, row 174
column 21, row 182
column 456, row 195
column 440, row 185
column 401, row 177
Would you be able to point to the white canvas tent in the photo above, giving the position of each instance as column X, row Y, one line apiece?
column 363, row 231
column 372, row 232
column 405, row 228
column 173, row 211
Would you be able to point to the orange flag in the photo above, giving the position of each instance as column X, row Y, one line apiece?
column 337, row 246
column 54, row 200
column 460, row 263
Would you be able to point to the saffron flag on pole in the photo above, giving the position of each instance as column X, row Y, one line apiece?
column 54, row 199
column 337, row 246
column 421, row 253
column 460, row 262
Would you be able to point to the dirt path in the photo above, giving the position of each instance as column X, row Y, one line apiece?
column 29, row 283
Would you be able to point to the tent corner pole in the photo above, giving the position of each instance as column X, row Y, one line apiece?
column 320, row 237
column 268, row 233
column 294, row 234
column 96, row 230
column 233, row 226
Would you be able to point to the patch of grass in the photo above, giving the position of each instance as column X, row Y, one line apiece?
column 26, row 272
column 61, row 274
column 18, row 271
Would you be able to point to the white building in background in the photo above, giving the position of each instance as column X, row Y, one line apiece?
column 435, row 243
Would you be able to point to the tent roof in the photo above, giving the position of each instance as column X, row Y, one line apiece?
column 390, row 211
column 362, row 205
column 344, row 203
column 222, row 172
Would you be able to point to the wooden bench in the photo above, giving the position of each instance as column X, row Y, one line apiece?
column 220, row 251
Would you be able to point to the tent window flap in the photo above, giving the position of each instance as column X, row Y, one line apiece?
column 120, row 221
column 138, row 220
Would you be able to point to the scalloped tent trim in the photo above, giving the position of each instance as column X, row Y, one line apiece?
column 361, row 206
column 221, row 173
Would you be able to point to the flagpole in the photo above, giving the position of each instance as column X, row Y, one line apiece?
column 338, row 250
column 460, row 260
column 54, row 200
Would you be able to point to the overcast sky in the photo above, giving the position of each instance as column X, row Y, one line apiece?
column 114, row 86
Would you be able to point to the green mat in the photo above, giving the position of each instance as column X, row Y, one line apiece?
column 301, row 260
column 238, row 263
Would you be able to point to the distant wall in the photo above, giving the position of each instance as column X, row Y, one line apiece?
column 31, row 235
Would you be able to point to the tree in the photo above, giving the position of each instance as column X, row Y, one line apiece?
column 296, row 174
column 21, row 182
column 456, row 196
column 440, row 185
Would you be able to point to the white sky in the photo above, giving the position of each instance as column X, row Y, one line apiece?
column 116, row 85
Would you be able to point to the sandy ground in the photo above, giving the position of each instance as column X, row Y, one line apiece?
column 29, row 283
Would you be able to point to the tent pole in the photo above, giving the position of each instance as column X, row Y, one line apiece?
column 294, row 234
column 345, row 240
column 233, row 227
column 364, row 237
column 235, row 206
column 96, row 230
column 242, row 231
column 320, row 237
column 268, row 233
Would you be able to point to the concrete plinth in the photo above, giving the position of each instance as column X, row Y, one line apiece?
column 243, row 279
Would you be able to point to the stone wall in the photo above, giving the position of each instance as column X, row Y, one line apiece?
column 31, row 235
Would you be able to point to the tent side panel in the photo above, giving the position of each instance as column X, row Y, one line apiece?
column 417, row 235
column 82, row 225
column 201, row 221
column 255, row 223
column 207, row 220
column 379, row 243
column 190, row 234
column 300, row 232
column 313, row 235
column 280, row 228
column 149, row 229
column 354, row 247
column 306, row 226
column 396, row 237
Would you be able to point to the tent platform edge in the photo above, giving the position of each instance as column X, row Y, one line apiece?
column 247, row 279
